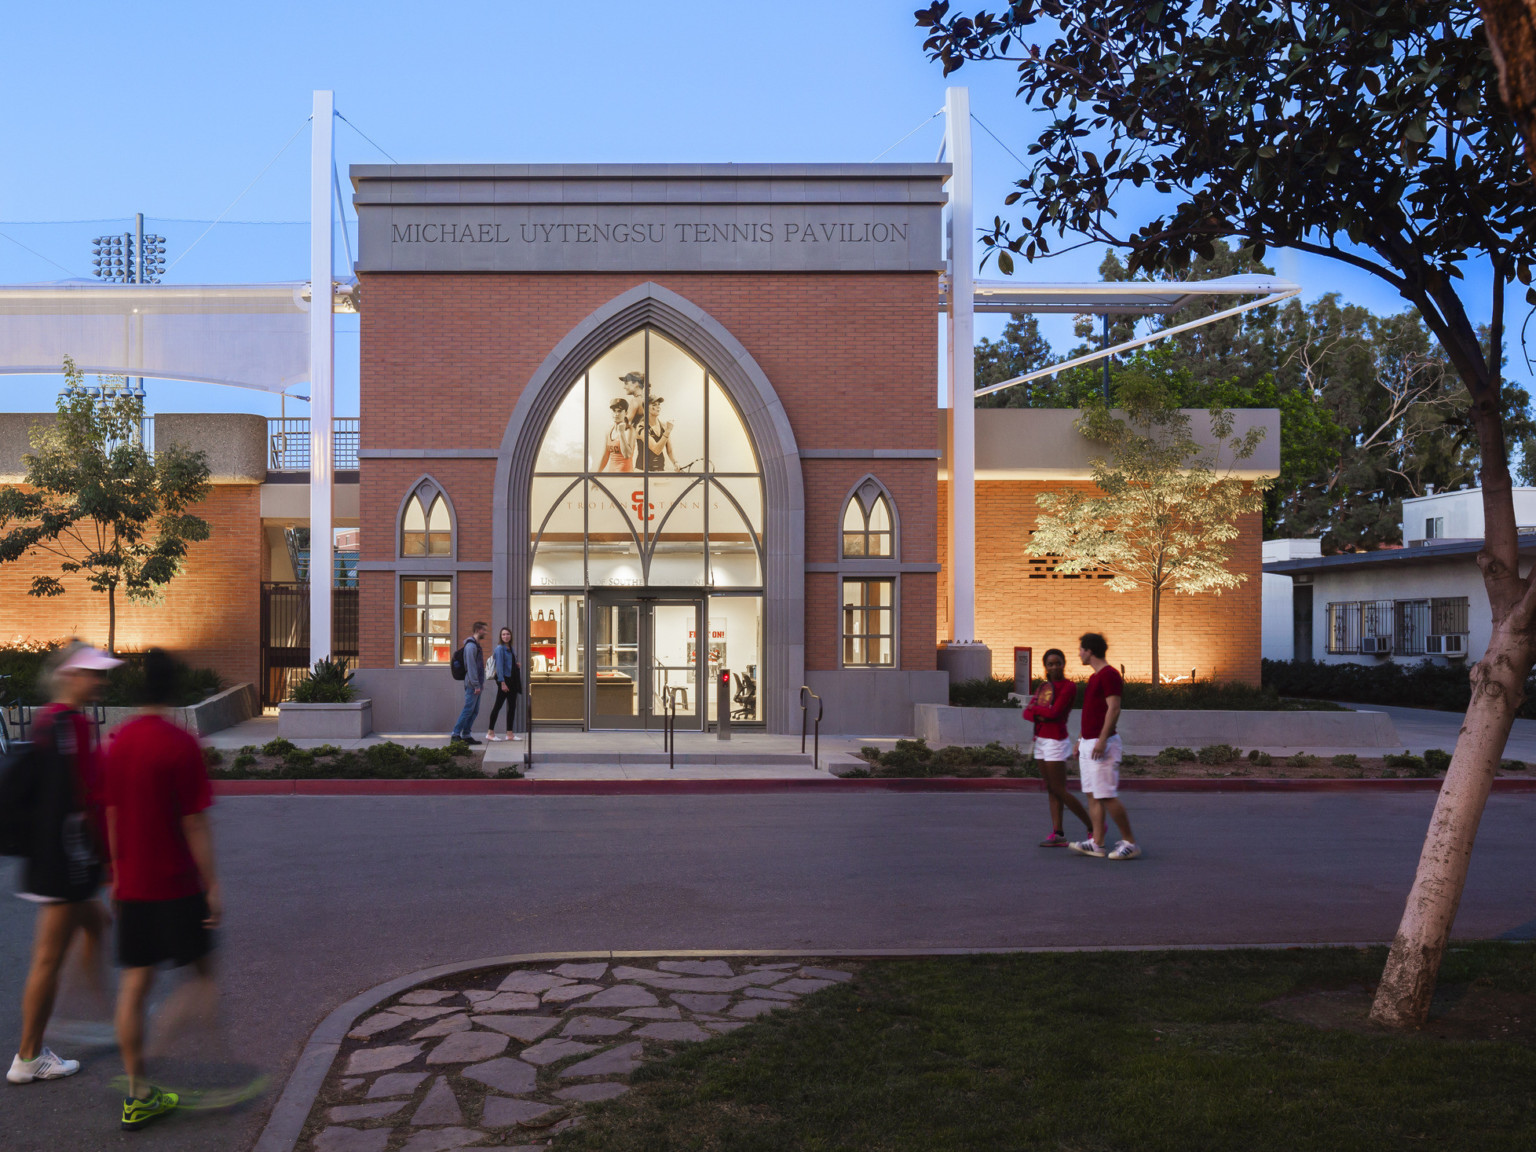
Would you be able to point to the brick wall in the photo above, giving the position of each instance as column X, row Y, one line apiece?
column 1019, row 603
column 852, row 358
column 209, row 615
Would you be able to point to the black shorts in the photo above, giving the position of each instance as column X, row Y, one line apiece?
column 151, row 932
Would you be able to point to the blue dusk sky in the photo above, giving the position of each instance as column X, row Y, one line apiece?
column 172, row 109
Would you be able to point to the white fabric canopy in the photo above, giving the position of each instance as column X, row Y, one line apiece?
column 244, row 335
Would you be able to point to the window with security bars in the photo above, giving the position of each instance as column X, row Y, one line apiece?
column 1398, row 627
column 426, row 620
column 869, row 620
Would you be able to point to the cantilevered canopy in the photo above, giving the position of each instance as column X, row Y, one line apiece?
column 1124, row 298
column 243, row 335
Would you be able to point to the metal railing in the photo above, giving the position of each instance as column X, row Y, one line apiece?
column 15, row 717
column 669, row 697
column 288, row 443
column 805, row 693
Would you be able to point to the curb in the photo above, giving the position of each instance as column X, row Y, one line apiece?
column 286, row 1124
column 831, row 784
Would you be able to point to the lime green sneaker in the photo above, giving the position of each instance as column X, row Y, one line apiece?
column 137, row 1113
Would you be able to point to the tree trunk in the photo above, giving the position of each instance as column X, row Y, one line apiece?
column 1157, row 605
column 112, row 618
column 1511, row 28
column 1498, row 688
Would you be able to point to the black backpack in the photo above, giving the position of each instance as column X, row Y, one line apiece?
column 456, row 666
column 18, row 777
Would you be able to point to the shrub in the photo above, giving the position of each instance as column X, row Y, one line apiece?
column 388, row 759
column 856, row 774
column 21, row 667
column 1436, row 760
column 1173, row 756
column 1221, row 695
column 1131, row 760
column 1414, row 764
column 1446, row 687
column 870, row 753
column 1300, row 760
column 1262, row 759
column 432, row 756
column 1218, row 754
column 278, row 747
column 1349, row 763
column 327, row 750
column 458, row 747
column 908, row 758
column 212, row 757
column 1512, row 765
column 328, row 682
column 299, row 758
column 999, row 755
column 509, row 772
column 244, row 760
column 989, row 693
column 1027, row 770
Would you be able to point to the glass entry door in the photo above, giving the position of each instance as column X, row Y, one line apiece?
column 644, row 649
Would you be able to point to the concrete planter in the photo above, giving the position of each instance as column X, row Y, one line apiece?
column 222, row 710
column 351, row 721
column 1152, row 730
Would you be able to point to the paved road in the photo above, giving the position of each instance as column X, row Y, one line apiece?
column 328, row 896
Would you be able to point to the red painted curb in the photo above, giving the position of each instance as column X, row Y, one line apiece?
column 720, row 787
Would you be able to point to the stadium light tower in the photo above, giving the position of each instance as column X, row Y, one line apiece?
column 130, row 258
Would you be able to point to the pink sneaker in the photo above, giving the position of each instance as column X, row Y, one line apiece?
column 1055, row 840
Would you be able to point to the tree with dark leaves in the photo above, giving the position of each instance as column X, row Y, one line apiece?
column 1367, row 133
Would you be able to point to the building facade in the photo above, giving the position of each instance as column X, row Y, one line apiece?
column 671, row 425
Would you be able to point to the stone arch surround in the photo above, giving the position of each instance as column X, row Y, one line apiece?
column 768, row 424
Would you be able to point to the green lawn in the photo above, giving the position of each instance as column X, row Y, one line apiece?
column 1106, row 1051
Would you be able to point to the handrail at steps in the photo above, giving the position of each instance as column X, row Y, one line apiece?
column 805, row 692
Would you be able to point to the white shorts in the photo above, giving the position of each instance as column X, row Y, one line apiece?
column 1100, row 778
column 1057, row 751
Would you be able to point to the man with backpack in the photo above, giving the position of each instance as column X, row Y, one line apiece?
column 52, row 790
column 469, row 666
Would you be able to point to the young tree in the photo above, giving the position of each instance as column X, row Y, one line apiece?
column 1365, row 133
column 1165, row 516
column 98, row 501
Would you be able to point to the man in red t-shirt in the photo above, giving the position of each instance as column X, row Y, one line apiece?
column 1099, row 753
column 163, row 881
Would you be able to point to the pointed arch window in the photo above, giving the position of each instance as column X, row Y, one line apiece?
column 646, row 476
column 426, row 527
column 869, row 529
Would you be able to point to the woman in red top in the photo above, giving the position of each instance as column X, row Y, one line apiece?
column 1048, row 712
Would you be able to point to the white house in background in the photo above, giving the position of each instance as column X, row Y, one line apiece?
column 1422, row 600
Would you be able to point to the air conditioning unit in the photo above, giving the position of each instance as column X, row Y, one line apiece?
column 1376, row 645
column 1450, row 644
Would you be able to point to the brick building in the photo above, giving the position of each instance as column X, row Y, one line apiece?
column 675, row 427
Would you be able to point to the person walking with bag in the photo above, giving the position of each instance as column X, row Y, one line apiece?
column 58, row 782
column 472, row 659
column 509, row 683
column 1047, row 711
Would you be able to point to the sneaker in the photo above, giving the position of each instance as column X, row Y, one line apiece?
column 46, row 1065
column 1055, row 840
column 1088, row 848
column 469, row 739
column 516, row 737
column 1124, row 850
column 137, row 1113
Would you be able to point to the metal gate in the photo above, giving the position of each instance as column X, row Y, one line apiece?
column 285, row 636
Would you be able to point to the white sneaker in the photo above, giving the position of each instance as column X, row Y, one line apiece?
column 46, row 1066
column 1124, row 850
column 516, row 737
column 1088, row 848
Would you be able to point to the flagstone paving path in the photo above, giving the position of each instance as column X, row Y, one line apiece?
column 508, row 1057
